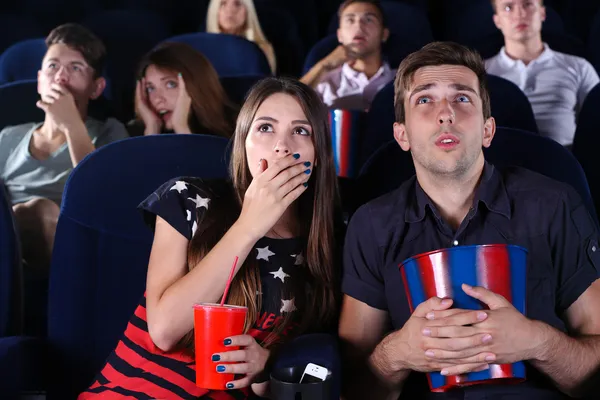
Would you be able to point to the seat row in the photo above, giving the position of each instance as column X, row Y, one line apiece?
column 466, row 21
column 102, row 246
column 510, row 108
column 509, row 105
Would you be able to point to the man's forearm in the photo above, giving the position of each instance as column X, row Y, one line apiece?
column 570, row 362
column 79, row 143
column 313, row 77
column 388, row 379
column 379, row 378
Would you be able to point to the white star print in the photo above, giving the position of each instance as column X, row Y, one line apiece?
column 279, row 274
column 200, row 201
column 189, row 215
column 179, row 186
column 288, row 305
column 194, row 228
column 299, row 259
column 264, row 253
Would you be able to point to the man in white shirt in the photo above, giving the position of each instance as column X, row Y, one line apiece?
column 556, row 84
column 351, row 75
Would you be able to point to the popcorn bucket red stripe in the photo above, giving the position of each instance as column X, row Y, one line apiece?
column 441, row 273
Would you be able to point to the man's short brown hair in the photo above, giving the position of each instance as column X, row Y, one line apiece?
column 82, row 40
column 374, row 3
column 494, row 4
column 434, row 54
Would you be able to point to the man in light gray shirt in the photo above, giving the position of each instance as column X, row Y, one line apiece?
column 36, row 158
column 556, row 84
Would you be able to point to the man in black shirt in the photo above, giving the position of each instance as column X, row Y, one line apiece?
column 457, row 198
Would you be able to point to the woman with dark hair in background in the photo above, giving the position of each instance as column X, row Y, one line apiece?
column 179, row 91
column 278, row 215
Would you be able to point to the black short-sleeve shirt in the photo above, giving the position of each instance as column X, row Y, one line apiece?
column 512, row 206
column 184, row 203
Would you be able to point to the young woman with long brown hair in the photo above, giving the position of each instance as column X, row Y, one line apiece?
column 277, row 214
column 178, row 90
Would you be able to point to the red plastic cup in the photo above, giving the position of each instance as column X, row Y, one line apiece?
column 214, row 323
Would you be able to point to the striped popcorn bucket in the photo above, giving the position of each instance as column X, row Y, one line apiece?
column 499, row 268
column 346, row 129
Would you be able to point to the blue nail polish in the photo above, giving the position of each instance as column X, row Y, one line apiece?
column 216, row 357
column 307, row 164
column 229, row 386
column 307, row 171
column 305, row 184
column 296, row 156
column 220, row 368
column 227, row 342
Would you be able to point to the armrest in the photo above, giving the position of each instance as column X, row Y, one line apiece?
column 22, row 365
column 321, row 349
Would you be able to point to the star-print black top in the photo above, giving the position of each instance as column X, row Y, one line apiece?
column 139, row 369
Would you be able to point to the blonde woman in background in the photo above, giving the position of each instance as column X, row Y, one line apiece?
column 238, row 17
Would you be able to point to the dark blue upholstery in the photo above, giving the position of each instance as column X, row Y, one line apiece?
column 469, row 22
column 15, row 28
column 24, row 94
column 20, row 98
column 302, row 11
column 579, row 16
column 181, row 16
column 11, row 284
column 102, row 246
column 380, row 121
column 321, row 49
column 237, row 87
column 22, row 60
column 128, row 35
column 51, row 13
column 587, row 141
column 553, row 22
column 394, row 50
column 565, row 43
column 594, row 43
column 22, row 366
column 139, row 27
column 510, row 108
column 167, row 9
column 509, row 147
column 229, row 55
column 422, row 4
column 407, row 21
column 281, row 29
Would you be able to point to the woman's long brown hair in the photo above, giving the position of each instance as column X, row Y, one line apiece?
column 317, row 213
column 210, row 109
